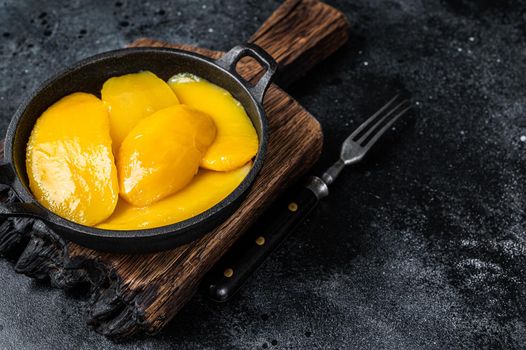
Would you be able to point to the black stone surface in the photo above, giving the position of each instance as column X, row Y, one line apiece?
column 422, row 246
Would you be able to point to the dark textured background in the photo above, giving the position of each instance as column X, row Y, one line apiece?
column 423, row 246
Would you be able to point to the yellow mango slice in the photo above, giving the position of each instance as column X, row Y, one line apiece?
column 132, row 97
column 69, row 160
column 206, row 190
column 236, row 142
column 162, row 153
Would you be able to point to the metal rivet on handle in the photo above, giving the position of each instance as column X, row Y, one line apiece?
column 260, row 240
column 228, row 273
column 293, row 206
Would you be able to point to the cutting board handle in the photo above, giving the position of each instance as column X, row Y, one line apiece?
column 298, row 35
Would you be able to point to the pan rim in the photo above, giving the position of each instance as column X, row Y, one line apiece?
column 182, row 229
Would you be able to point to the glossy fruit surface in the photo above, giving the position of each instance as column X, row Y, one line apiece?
column 132, row 97
column 206, row 190
column 69, row 160
column 236, row 142
column 162, row 153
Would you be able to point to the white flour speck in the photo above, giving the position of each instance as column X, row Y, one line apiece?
column 523, row 138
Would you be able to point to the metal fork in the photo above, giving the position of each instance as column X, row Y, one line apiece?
column 356, row 145
column 262, row 238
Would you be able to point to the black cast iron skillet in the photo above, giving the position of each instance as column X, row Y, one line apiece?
column 88, row 76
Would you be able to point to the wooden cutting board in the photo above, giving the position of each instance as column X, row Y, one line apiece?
column 135, row 294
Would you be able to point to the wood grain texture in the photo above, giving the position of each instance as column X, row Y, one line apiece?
column 300, row 34
column 132, row 294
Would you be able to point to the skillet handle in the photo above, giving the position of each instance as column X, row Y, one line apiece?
column 7, row 174
column 17, row 209
column 7, row 178
column 230, row 59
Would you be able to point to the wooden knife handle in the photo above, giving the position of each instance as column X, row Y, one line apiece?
column 249, row 252
column 311, row 31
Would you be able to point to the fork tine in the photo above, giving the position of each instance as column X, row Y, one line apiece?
column 380, row 121
column 372, row 118
column 386, row 127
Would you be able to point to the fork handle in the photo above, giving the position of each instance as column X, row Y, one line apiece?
column 249, row 252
